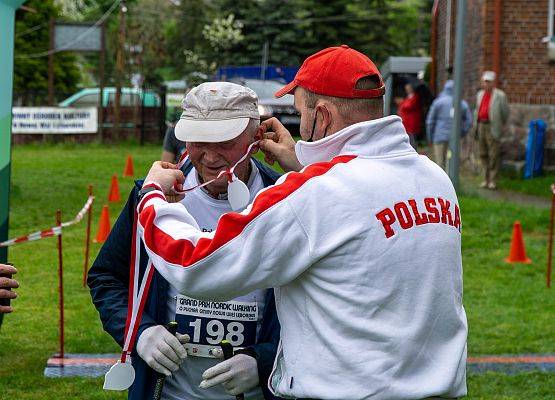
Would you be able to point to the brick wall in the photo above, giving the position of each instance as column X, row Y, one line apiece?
column 526, row 74
column 474, row 49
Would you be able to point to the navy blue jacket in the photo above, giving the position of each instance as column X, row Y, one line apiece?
column 108, row 281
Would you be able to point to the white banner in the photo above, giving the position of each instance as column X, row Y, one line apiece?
column 54, row 120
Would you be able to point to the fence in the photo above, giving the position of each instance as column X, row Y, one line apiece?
column 142, row 114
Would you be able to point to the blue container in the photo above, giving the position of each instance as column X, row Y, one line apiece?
column 535, row 148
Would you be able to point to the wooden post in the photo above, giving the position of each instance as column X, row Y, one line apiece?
column 120, row 68
column 550, row 244
column 51, row 45
column 60, row 285
column 88, row 240
column 101, row 81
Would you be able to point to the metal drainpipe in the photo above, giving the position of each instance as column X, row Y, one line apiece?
column 433, row 48
column 497, row 39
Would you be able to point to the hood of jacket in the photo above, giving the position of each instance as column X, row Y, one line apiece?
column 376, row 138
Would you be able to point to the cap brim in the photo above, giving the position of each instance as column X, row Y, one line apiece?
column 287, row 89
column 210, row 131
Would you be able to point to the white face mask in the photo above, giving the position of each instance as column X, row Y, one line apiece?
column 238, row 193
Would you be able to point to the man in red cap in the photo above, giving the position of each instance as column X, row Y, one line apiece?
column 361, row 242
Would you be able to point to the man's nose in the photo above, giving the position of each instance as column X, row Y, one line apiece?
column 211, row 157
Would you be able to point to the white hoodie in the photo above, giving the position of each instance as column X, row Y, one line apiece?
column 363, row 248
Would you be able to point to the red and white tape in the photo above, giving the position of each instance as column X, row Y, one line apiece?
column 54, row 231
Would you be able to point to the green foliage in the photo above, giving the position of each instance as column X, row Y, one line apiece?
column 295, row 29
column 298, row 28
column 173, row 44
column 31, row 74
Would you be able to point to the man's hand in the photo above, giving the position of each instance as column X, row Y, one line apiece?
column 238, row 375
column 165, row 175
column 162, row 351
column 278, row 145
column 6, row 284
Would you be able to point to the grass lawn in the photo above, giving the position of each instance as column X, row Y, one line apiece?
column 539, row 186
column 508, row 306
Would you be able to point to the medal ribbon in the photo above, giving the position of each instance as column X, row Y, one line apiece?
column 138, row 293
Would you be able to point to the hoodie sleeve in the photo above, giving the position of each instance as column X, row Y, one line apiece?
column 466, row 119
column 430, row 121
column 264, row 246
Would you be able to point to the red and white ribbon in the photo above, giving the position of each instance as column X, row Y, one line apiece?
column 54, row 231
column 138, row 293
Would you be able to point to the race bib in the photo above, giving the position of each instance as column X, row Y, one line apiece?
column 210, row 322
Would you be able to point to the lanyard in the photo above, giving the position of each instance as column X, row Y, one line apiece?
column 238, row 193
column 229, row 172
column 122, row 374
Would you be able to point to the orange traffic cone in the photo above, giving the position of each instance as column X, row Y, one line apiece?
column 128, row 170
column 518, row 252
column 103, row 226
column 114, row 195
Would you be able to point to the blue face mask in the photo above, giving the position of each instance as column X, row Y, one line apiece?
column 314, row 127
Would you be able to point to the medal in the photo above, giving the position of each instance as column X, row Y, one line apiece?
column 238, row 193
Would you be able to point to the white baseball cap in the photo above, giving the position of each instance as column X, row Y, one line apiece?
column 488, row 76
column 216, row 112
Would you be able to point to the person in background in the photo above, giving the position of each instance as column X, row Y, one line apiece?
column 491, row 114
column 173, row 148
column 439, row 123
column 410, row 111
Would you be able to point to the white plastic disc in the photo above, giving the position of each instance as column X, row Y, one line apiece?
column 238, row 194
column 120, row 376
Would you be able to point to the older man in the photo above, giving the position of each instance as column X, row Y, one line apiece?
column 219, row 123
column 363, row 246
column 492, row 113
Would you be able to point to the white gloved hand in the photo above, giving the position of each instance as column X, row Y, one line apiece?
column 162, row 351
column 238, row 375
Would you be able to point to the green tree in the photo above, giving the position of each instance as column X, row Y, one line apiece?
column 147, row 37
column 297, row 28
column 185, row 33
column 31, row 61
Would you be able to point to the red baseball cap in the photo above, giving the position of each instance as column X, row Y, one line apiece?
column 335, row 72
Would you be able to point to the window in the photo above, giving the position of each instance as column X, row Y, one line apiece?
column 127, row 99
column 88, row 100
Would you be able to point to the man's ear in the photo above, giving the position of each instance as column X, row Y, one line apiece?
column 324, row 115
column 259, row 135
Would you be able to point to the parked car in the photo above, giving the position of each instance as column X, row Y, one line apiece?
column 270, row 106
column 89, row 97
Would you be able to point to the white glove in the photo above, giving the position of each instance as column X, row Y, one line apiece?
column 238, row 375
column 162, row 351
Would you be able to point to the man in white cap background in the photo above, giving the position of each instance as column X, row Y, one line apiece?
column 219, row 123
column 490, row 117
column 362, row 245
